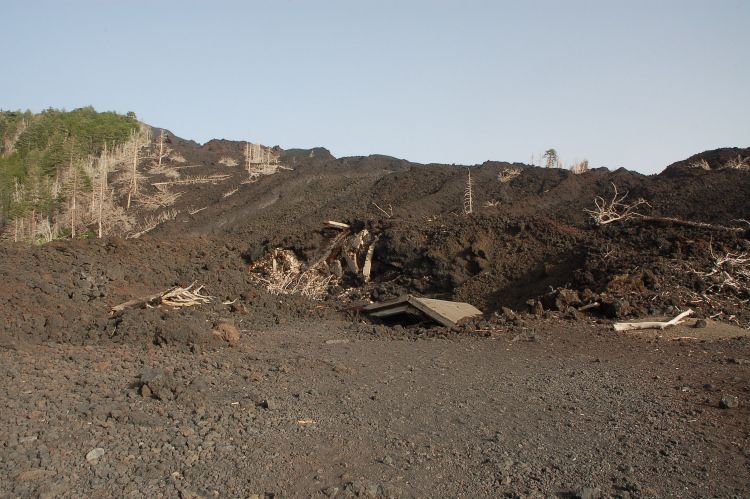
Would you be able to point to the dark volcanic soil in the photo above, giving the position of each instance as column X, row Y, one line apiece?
column 538, row 398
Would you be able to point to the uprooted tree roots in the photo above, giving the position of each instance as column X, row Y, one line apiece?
column 282, row 273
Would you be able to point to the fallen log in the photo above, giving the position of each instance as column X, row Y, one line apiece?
column 689, row 223
column 629, row 326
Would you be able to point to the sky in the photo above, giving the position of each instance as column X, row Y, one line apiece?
column 634, row 84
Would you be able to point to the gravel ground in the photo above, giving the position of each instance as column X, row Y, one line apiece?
column 333, row 409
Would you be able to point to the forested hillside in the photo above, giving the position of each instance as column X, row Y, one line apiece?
column 53, row 168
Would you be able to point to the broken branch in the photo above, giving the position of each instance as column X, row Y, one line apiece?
column 628, row 326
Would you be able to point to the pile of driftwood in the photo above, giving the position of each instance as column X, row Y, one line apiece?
column 282, row 272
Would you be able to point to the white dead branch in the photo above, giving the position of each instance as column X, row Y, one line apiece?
column 702, row 164
column 388, row 213
column 335, row 225
column 629, row 326
column 184, row 297
column 738, row 163
column 227, row 194
column 730, row 270
column 508, row 174
column 176, row 297
column 616, row 209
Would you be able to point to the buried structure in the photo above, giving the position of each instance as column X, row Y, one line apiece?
column 446, row 313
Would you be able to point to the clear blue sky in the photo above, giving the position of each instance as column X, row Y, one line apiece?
column 637, row 84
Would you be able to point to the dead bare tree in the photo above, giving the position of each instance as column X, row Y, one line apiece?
column 134, row 180
column 469, row 196
column 102, row 186
column 614, row 210
column 580, row 166
column 738, row 163
column 163, row 150
column 731, row 270
column 508, row 174
column 702, row 164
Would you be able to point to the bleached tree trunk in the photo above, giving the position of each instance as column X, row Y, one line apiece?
column 102, row 184
column 469, row 196
column 161, row 146
column 134, row 181
column 74, row 170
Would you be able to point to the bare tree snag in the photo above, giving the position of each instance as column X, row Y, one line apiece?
column 606, row 213
column 102, row 184
column 367, row 268
column 469, row 196
column 134, row 181
column 162, row 152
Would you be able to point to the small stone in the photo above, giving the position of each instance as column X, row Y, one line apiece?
column 728, row 401
column 506, row 480
column 145, row 391
column 700, row 324
column 270, row 404
column 388, row 461
column 94, row 454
